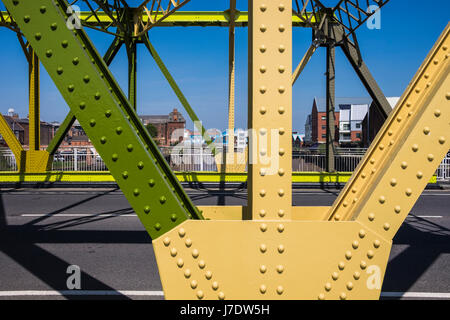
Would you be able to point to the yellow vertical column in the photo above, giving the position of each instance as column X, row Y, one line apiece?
column 231, row 83
column 34, row 103
column 270, row 109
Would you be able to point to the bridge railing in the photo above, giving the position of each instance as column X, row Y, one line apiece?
column 203, row 161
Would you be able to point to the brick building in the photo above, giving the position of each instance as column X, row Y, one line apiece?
column 316, row 123
column 21, row 129
column 165, row 126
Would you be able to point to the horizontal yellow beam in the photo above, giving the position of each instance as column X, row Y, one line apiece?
column 202, row 177
column 179, row 18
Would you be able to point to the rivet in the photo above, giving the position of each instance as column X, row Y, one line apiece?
column 436, row 61
column 376, row 244
column 71, row 88
column 408, row 192
column 173, row 252
column 281, row 131
column 447, row 95
column 263, row 269
column 60, row 70
column 281, row 28
column 195, row 253
column 221, row 296
column 372, row 161
column 373, row 170
column 444, row 48
column 355, row 244
column 181, row 232
column 349, row 285
column 404, row 165
column 281, row 48
column 363, row 175
column 15, row 2
column 262, row 110
column 393, row 182
column 262, row 193
column 42, row 9
column 328, row 286
column 437, row 113
column 382, row 199
column 263, row 7
column 26, row 19
column 399, row 119
column 426, row 130
column 262, row 69
column 263, row 248
column 281, row 7
column 321, row 296
column 162, row 199
column 262, row 213
column 263, row 289
column 397, row 209
column 140, row 165
column 343, row 296
column 158, row 226
column 208, row 275
column 103, row 140
column 371, row 216
column 281, row 152
column 441, row 140
column 348, row 255
column 337, row 217
column 76, row 61
column 97, row 96
column 188, row 242
column 262, row 89
column 119, row 130
column 362, row 233
column 136, row 192
column 341, row 265
column 215, row 285
column 125, row 174
column 281, row 69
column 166, row 241
column 201, row 264
column 263, row 28
column 281, row 89
column 370, row 254
column 419, row 175
column 430, row 157
column 335, row 276
column 193, row 284
column 280, row 228
column 38, row 36
column 280, row 269
column 381, row 147
column 130, row 147
column 263, row 227
column 280, row 290
column 356, row 275
column 390, row 133
column 280, row 248
column 262, row 48
column 281, row 192
column 386, row 226
column 281, row 213
column 281, row 110
column 281, row 172
column 151, row 183
column 53, row 26
column 363, row 265
column 418, row 90
column 147, row 209
column 187, row 273
column 173, row 217
column 415, row 148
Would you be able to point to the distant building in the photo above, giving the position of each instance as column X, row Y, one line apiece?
column 21, row 129
column 374, row 120
column 349, row 114
column 165, row 126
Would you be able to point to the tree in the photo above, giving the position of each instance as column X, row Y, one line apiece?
column 152, row 130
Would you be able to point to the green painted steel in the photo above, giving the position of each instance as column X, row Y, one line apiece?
column 178, row 93
column 105, row 113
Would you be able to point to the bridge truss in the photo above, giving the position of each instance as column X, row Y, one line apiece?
column 269, row 249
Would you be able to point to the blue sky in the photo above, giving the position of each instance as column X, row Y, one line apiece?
column 198, row 58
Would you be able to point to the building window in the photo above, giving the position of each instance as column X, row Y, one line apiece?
column 324, row 136
column 358, row 135
column 324, row 127
column 324, row 117
column 358, row 126
column 346, row 126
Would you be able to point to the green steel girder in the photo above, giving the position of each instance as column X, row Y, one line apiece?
column 105, row 113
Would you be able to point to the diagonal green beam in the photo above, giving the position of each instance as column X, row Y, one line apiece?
column 176, row 89
column 70, row 118
column 93, row 95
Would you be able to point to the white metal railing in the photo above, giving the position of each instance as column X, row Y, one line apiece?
column 203, row 160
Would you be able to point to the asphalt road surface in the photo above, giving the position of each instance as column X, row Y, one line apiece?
column 43, row 232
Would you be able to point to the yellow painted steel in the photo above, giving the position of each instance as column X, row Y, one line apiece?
column 273, row 260
column 11, row 140
column 345, row 255
column 179, row 18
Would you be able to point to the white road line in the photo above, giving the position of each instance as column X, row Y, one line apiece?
column 441, row 295
column 27, row 293
column 63, row 215
column 431, row 217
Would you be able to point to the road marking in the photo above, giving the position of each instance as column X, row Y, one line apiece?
column 63, row 215
column 431, row 217
column 27, row 293
column 440, row 295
